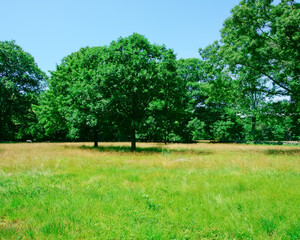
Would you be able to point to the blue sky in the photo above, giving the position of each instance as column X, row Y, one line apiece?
column 50, row 30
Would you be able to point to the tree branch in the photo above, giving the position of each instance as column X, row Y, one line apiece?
column 270, row 77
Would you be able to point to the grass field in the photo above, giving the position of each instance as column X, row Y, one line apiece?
column 178, row 191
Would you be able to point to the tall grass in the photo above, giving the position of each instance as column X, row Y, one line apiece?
column 178, row 191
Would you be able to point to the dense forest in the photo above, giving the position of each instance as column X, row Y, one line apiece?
column 243, row 88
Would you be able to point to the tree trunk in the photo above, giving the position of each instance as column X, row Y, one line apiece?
column 165, row 138
column 133, row 139
column 96, row 138
column 293, row 110
column 253, row 118
column 253, row 128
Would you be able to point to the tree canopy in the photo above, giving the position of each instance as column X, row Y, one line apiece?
column 265, row 37
column 242, row 88
column 136, row 75
column 20, row 83
column 74, row 103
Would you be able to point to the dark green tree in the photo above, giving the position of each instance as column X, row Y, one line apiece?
column 21, row 81
column 222, row 95
column 73, row 106
column 191, row 71
column 250, row 98
column 240, row 102
column 168, row 108
column 136, row 75
column 219, row 112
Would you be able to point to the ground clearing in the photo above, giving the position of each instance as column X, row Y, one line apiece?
column 178, row 191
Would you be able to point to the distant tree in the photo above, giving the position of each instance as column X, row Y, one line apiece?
column 226, row 95
column 219, row 111
column 276, row 122
column 135, row 75
column 21, row 81
column 51, row 119
column 250, row 98
column 191, row 71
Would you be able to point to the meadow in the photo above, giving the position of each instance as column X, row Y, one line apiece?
column 177, row 191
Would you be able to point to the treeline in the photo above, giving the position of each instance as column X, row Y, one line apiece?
column 244, row 88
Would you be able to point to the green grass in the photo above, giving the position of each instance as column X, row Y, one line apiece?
column 178, row 191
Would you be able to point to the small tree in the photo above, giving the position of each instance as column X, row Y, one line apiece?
column 74, row 103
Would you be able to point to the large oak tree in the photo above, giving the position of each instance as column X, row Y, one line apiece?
column 263, row 37
column 135, row 75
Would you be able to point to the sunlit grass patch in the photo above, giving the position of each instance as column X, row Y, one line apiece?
column 196, row 191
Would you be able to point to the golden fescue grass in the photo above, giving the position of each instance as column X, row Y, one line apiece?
column 182, row 191
column 78, row 156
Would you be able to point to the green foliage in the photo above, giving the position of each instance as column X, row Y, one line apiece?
column 100, row 90
column 133, row 89
column 265, row 38
column 20, row 84
column 193, row 73
column 261, row 44
column 196, row 128
column 276, row 124
column 139, row 77
column 227, row 129
column 74, row 105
